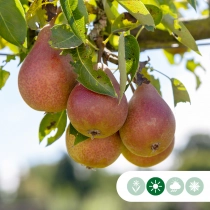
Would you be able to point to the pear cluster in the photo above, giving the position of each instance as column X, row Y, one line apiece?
column 141, row 130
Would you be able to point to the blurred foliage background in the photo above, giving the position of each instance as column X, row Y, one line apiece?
column 69, row 186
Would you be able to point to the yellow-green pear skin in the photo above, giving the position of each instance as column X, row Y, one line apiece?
column 94, row 153
column 147, row 161
column 96, row 115
column 150, row 125
column 46, row 78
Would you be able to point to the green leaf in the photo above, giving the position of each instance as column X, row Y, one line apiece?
column 36, row 16
column 78, row 136
column 132, row 53
column 12, row 22
column 63, row 37
column 111, row 9
column 9, row 58
column 191, row 65
column 154, row 9
column 198, row 81
column 122, row 23
column 168, row 7
column 2, row 43
column 138, row 10
column 77, row 16
column 95, row 80
column 181, row 5
column 179, row 91
column 4, row 75
column 122, row 65
column 193, row 3
column 169, row 56
column 180, row 32
column 52, row 122
column 150, row 28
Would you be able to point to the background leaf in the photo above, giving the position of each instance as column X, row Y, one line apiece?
column 138, row 10
column 191, row 65
column 78, row 136
column 180, row 32
column 154, row 9
column 193, row 3
column 179, row 91
column 4, row 75
column 12, row 22
column 63, row 37
column 77, row 16
column 95, row 80
column 111, row 9
column 36, row 16
column 52, row 122
column 122, row 65
column 123, row 23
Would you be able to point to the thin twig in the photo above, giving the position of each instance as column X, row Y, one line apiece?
column 100, row 45
column 162, row 73
column 110, row 56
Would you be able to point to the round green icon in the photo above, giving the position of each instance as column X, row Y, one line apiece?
column 136, row 186
column 175, row 186
column 194, row 186
column 155, row 186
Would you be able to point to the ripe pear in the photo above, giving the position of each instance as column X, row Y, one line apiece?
column 150, row 125
column 96, row 115
column 147, row 161
column 94, row 153
column 46, row 78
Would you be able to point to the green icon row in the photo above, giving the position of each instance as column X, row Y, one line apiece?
column 155, row 186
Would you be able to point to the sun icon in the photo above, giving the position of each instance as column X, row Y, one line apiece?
column 155, row 186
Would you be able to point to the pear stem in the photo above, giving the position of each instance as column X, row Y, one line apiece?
column 107, row 39
column 138, row 33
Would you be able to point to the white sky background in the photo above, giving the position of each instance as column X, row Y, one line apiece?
column 19, row 124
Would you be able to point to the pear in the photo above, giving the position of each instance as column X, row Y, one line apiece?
column 46, row 78
column 96, row 153
column 147, row 161
column 150, row 125
column 96, row 115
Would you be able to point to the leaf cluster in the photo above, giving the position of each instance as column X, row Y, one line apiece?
column 87, row 30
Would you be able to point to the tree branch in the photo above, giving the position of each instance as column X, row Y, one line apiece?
column 199, row 28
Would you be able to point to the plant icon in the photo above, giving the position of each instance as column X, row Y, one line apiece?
column 136, row 186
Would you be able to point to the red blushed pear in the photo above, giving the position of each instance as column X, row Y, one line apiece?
column 150, row 125
column 46, row 78
column 147, row 161
column 94, row 153
column 96, row 115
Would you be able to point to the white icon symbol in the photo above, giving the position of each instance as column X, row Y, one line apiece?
column 194, row 186
column 175, row 186
column 136, row 186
